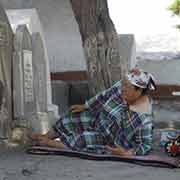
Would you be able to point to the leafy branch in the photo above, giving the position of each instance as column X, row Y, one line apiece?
column 175, row 9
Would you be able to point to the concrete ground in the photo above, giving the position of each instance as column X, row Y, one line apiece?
column 15, row 164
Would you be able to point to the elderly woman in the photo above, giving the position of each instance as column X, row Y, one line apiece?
column 118, row 120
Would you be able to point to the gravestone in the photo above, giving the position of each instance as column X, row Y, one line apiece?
column 23, row 77
column 6, row 37
column 31, row 18
column 40, row 73
column 46, row 112
column 127, row 50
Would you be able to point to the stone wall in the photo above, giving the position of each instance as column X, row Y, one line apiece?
column 166, row 71
column 6, row 42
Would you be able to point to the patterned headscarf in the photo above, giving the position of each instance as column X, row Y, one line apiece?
column 141, row 79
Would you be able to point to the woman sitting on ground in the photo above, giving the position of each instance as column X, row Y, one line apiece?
column 117, row 120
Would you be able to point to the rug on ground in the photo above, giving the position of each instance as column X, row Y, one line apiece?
column 155, row 158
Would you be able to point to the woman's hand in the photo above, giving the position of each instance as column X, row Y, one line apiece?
column 77, row 108
column 119, row 151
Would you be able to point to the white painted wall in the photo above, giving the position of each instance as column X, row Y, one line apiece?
column 61, row 32
column 165, row 72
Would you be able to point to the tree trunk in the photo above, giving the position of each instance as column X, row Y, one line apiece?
column 100, row 42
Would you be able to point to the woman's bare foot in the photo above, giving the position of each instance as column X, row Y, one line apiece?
column 43, row 140
column 36, row 136
column 51, row 134
column 55, row 143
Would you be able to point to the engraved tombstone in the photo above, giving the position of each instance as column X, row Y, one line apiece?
column 31, row 18
column 23, row 77
column 6, row 44
column 40, row 73
column 40, row 84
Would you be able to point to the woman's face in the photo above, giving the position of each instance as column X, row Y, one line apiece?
column 129, row 92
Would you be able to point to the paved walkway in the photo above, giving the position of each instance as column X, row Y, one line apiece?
column 16, row 165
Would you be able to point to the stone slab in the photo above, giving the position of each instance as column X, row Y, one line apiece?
column 31, row 18
column 127, row 50
column 40, row 73
column 6, row 45
column 23, row 83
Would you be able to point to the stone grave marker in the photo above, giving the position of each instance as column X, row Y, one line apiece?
column 23, row 76
column 45, row 115
column 127, row 49
column 31, row 18
column 40, row 73
column 6, row 44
